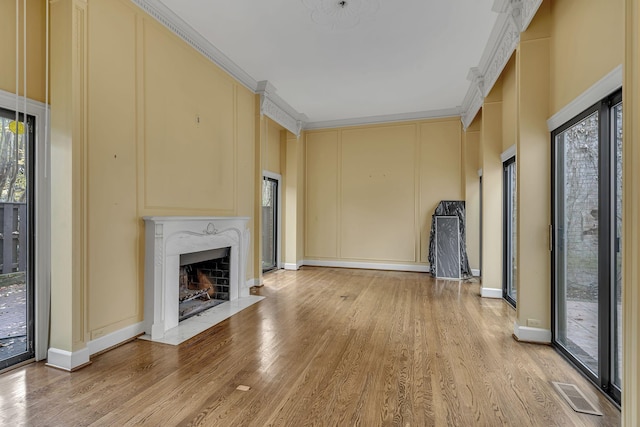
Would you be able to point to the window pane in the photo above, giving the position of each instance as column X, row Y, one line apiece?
column 577, row 201
column 617, row 282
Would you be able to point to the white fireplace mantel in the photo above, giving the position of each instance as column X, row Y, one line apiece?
column 166, row 238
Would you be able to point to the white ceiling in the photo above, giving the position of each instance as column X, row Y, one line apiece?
column 409, row 56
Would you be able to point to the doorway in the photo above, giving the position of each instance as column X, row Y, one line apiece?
column 270, row 222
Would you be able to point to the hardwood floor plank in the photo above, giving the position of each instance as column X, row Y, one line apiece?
column 326, row 347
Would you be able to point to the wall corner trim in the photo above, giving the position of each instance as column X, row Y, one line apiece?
column 491, row 293
column 602, row 88
column 534, row 335
column 67, row 360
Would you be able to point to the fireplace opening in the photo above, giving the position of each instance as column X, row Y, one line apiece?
column 204, row 281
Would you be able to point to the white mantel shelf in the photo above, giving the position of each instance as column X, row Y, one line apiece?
column 166, row 238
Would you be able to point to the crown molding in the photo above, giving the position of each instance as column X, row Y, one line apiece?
column 178, row 26
column 515, row 17
column 372, row 120
column 270, row 103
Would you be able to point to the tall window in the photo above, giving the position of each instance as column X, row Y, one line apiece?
column 587, row 219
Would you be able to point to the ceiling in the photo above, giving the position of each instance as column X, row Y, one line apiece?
column 363, row 58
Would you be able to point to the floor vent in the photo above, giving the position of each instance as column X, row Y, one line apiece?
column 576, row 398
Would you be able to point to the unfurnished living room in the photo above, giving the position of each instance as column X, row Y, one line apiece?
column 320, row 212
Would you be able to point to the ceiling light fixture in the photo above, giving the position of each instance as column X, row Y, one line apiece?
column 341, row 14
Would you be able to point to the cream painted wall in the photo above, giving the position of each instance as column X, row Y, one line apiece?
column 168, row 133
column 471, row 141
column 440, row 171
column 371, row 190
column 509, row 104
column 631, row 218
column 321, row 207
column 293, row 201
column 273, row 152
column 35, row 48
column 587, row 43
column 534, row 172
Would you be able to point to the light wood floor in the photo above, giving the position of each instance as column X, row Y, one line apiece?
column 330, row 347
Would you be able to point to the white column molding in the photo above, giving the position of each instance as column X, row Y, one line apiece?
column 471, row 105
column 274, row 107
column 515, row 17
column 528, row 11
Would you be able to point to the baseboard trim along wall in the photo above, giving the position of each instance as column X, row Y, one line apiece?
column 253, row 282
column 67, row 360
column 491, row 293
column 115, row 338
column 367, row 265
column 528, row 334
column 292, row 266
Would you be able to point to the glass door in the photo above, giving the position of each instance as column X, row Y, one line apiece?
column 587, row 220
column 269, row 224
column 16, row 222
column 510, row 232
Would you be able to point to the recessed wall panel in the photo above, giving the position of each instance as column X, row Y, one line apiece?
column 440, row 172
column 321, row 195
column 378, row 194
column 189, row 128
column 112, row 233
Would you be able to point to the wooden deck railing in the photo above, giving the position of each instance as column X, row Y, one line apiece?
column 13, row 236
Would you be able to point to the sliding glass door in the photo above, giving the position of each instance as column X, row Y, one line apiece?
column 16, row 237
column 510, row 232
column 269, row 224
column 587, row 232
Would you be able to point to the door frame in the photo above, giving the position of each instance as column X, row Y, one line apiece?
column 276, row 177
column 606, row 245
column 41, row 213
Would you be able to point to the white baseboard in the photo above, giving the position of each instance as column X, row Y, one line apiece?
column 67, row 360
column 115, row 338
column 475, row 272
column 367, row 265
column 253, row 282
column 292, row 266
column 528, row 334
column 491, row 293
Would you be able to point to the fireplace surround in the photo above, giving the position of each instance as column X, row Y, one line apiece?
column 168, row 237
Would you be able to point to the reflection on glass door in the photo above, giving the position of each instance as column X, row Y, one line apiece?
column 16, row 206
column 269, row 224
column 587, row 242
column 577, row 209
column 509, row 290
column 617, row 247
